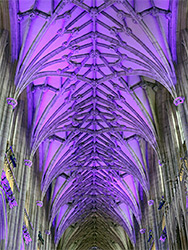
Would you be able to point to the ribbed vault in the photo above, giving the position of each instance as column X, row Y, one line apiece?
column 85, row 66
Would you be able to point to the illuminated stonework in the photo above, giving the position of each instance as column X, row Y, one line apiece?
column 89, row 74
column 179, row 100
column 12, row 102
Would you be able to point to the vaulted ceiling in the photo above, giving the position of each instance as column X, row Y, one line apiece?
column 85, row 65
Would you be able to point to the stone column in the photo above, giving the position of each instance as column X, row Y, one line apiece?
column 14, row 212
column 156, row 238
column 36, row 225
column 32, row 205
column 47, row 232
column 142, row 238
column 18, row 233
column 183, row 120
column 50, row 243
column 3, row 221
column 177, row 199
column 168, row 198
column 5, row 130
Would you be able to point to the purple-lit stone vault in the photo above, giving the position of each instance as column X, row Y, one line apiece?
column 26, row 235
column 86, row 66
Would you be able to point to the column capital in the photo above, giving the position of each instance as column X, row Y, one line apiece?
column 179, row 100
column 142, row 230
column 150, row 202
column 28, row 162
column 161, row 163
column 39, row 203
column 47, row 232
column 12, row 101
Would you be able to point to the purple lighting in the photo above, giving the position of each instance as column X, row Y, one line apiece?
column 179, row 100
column 142, row 231
column 186, row 201
column 26, row 235
column 162, row 238
column 12, row 101
column 6, row 187
column 3, row 218
column 150, row 202
column 28, row 163
column 164, row 235
column 39, row 203
column 87, row 67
